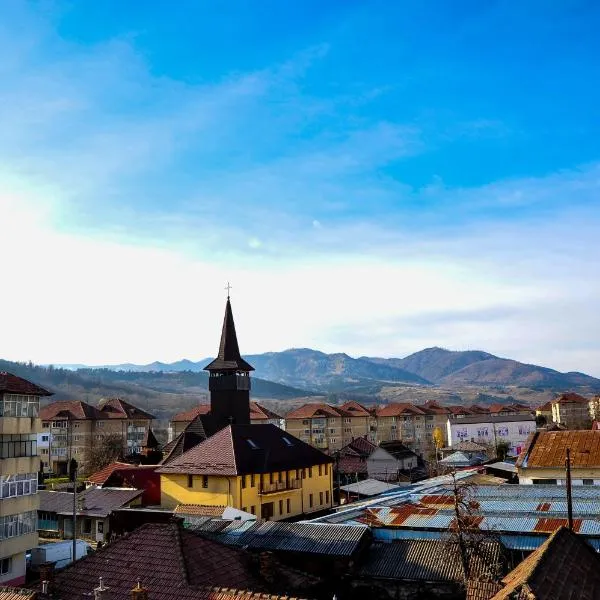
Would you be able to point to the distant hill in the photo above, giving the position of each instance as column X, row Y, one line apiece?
column 161, row 393
column 337, row 373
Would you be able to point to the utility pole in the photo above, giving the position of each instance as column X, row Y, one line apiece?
column 73, row 478
column 569, row 494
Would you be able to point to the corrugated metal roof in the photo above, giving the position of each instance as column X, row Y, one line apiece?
column 369, row 487
column 420, row 560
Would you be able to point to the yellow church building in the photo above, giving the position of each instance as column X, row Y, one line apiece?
column 221, row 459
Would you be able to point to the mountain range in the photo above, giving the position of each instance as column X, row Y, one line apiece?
column 316, row 371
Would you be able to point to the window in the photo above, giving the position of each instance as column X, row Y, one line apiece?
column 100, row 526
column 588, row 482
column 45, row 437
column 543, row 481
column 321, row 498
column 326, row 469
column 332, row 431
column 19, row 405
column 16, row 525
column 59, row 424
column 204, row 481
column 21, row 484
column 5, row 565
column 252, row 480
column 44, row 450
column 320, row 470
column 326, row 496
column 87, row 526
column 270, row 477
column 288, row 506
column 45, row 425
column 310, row 500
column 281, row 507
column 310, row 471
column 243, row 482
column 190, row 481
column 100, row 423
column 303, row 473
column 18, row 445
column 287, row 441
column 253, row 509
column 244, row 508
column 252, row 444
column 297, row 473
column 280, row 477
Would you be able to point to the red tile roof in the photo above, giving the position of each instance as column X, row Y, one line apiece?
column 549, row 449
column 190, row 415
column 547, row 407
column 117, row 408
column 69, row 409
column 199, row 510
column 99, row 477
column 170, row 562
column 396, row 409
column 355, row 409
column 258, row 412
column 310, row 410
column 570, row 398
column 11, row 384
column 246, row 449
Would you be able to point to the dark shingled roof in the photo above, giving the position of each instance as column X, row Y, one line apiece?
column 196, row 432
column 424, row 560
column 94, row 502
column 229, row 358
column 171, row 563
column 11, row 384
column 245, row 449
column 564, row 567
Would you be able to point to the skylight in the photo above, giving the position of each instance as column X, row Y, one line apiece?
column 287, row 441
column 252, row 444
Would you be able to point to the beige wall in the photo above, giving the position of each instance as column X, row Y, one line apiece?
column 527, row 475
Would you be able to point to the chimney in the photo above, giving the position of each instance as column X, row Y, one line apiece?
column 139, row 593
column 47, row 576
column 101, row 592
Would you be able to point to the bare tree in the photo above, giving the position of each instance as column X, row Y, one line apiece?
column 479, row 551
column 108, row 449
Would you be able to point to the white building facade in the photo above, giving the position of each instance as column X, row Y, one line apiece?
column 491, row 430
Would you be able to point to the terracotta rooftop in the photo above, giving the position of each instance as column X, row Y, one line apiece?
column 310, row 410
column 570, row 398
column 547, row 407
column 246, row 449
column 564, row 567
column 196, row 431
column 549, row 449
column 170, row 562
column 355, row 409
column 99, row 477
column 117, row 408
column 190, row 415
column 396, row 409
column 11, row 384
column 69, row 409
column 12, row 593
column 258, row 412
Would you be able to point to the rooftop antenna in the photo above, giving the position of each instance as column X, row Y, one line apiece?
column 569, row 496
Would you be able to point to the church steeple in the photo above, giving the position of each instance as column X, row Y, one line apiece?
column 229, row 381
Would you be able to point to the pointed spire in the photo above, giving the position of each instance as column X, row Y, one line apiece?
column 229, row 357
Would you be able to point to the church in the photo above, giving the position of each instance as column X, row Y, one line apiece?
column 220, row 459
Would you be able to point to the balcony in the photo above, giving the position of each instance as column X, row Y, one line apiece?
column 280, row 486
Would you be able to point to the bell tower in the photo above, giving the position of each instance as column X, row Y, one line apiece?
column 229, row 380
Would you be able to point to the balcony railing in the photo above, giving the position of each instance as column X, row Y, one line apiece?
column 280, row 486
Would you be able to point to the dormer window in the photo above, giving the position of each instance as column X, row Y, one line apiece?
column 252, row 444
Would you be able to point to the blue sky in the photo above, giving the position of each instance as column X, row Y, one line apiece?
column 373, row 177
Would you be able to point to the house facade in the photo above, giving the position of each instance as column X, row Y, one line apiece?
column 19, row 466
column 572, row 411
column 71, row 428
column 543, row 460
column 258, row 469
column 491, row 429
column 391, row 461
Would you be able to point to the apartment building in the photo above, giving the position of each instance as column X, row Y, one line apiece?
column 70, row 428
column 410, row 424
column 19, row 466
column 572, row 410
column 319, row 425
column 259, row 415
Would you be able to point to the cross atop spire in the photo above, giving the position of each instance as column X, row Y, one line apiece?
column 229, row 357
column 228, row 288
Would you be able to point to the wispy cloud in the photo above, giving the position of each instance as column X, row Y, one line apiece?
column 140, row 194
